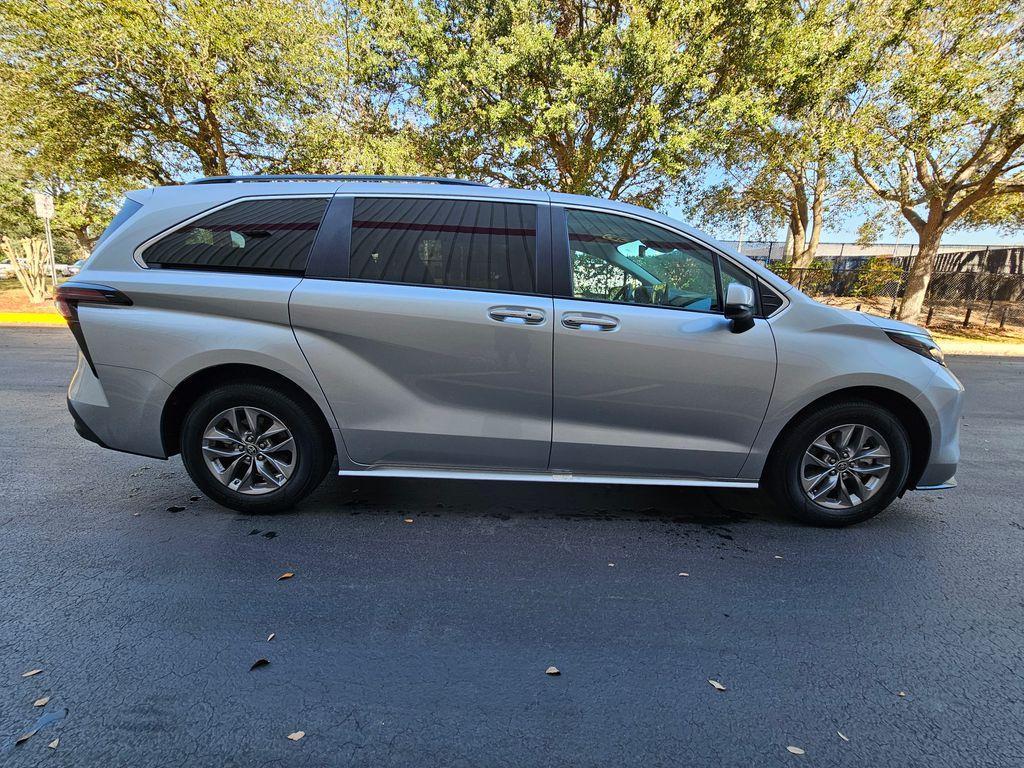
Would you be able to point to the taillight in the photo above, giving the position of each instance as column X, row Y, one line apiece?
column 70, row 295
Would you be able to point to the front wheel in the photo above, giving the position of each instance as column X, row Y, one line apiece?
column 253, row 448
column 841, row 465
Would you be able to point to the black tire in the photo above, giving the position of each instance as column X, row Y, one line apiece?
column 313, row 450
column 782, row 474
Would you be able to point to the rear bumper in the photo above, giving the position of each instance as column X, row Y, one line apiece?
column 118, row 408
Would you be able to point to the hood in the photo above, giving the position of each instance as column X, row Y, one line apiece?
column 894, row 325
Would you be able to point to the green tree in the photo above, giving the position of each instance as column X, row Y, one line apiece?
column 612, row 99
column 938, row 128
column 782, row 162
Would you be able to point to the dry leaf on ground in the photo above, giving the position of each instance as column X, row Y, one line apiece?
column 41, row 702
column 53, row 744
column 684, row 574
column 297, row 735
column 286, row 575
column 271, row 636
column 31, row 673
column 259, row 663
column 552, row 671
column 716, row 685
column 841, row 736
column 24, row 737
column 408, row 520
column 796, row 750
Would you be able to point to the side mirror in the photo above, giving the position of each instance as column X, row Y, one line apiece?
column 739, row 307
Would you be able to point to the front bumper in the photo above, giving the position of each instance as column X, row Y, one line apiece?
column 942, row 402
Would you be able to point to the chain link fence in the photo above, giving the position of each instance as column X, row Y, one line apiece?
column 985, row 299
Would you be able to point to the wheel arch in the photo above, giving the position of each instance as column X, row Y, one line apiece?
column 198, row 383
column 902, row 407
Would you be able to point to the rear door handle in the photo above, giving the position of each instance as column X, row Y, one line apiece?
column 517, row 315
column 584, row 321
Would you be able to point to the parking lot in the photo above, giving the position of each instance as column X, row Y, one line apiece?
column 422, row 615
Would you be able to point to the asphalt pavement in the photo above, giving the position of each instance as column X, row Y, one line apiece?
column 425, row 643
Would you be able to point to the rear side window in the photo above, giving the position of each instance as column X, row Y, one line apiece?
column 272, row 235
column 454, row 243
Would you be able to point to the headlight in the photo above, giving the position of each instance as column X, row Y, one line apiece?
column 922, row 345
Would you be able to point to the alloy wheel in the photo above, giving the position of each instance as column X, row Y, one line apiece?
column 845, row 466
column 249, row 450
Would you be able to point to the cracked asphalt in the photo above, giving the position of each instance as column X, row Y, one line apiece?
column 425, row 643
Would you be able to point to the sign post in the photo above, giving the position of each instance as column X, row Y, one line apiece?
column 44, row 210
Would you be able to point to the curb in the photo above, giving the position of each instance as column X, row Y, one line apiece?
column 31, row 318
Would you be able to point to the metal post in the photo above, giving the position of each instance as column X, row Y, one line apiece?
column 49, row 247
column 931, row 311
column 1002, row 319
column 967, row 317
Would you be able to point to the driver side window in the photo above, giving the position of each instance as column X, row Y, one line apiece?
column 616, row 258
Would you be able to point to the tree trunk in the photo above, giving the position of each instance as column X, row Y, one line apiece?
column 920, row 273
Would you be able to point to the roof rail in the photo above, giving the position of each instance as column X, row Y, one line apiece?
column 338, row 177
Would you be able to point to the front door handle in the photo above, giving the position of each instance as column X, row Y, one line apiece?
column 585, row 321
column 520, row 315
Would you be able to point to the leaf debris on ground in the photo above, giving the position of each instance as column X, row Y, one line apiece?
column 408, row 520
column 259, row 663
column 31, row 673
column 271, row 636
column 717, row 685
column 41, row 702
column 795, row 750
column 285, row 575
column 552, row 670
column 683, row 573
column 842, row 736
column 297, row 735
column 53, row 744
column 175, row 508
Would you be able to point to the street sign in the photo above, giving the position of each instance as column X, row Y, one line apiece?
column 44, row 205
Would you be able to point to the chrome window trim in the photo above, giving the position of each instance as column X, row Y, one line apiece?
column 720, row 253
column 140, row 249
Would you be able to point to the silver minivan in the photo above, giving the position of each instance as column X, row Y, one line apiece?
column 263, row 327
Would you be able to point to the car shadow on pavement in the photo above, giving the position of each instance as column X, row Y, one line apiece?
column 542, row 500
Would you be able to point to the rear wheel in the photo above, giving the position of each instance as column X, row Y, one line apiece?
column 253, row 448
column 841, row 465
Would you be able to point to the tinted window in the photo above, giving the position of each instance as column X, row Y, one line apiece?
column 273, row 235
column 615, row 258
column 457, row 243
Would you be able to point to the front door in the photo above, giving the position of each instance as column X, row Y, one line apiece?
column 437, row 349
column 649, row 379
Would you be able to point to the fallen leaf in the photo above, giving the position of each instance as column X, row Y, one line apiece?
column 841, row 736
column 41, row 702
column 270, row 535
column 24, row 737
column 31, row 673
column 297, row 735
column 254, row 531
column 902, row 694
column 684, row 574
column 408, row 520
column 53, row 744
column 796, row 750
column 193, row 498
column 136, row 514
column 271, row 636
column 611, row 565
column 717, row 685
column 552, row 671
column 175, row 508
column 259, row 663
column 286, row 575
column 778, row 557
